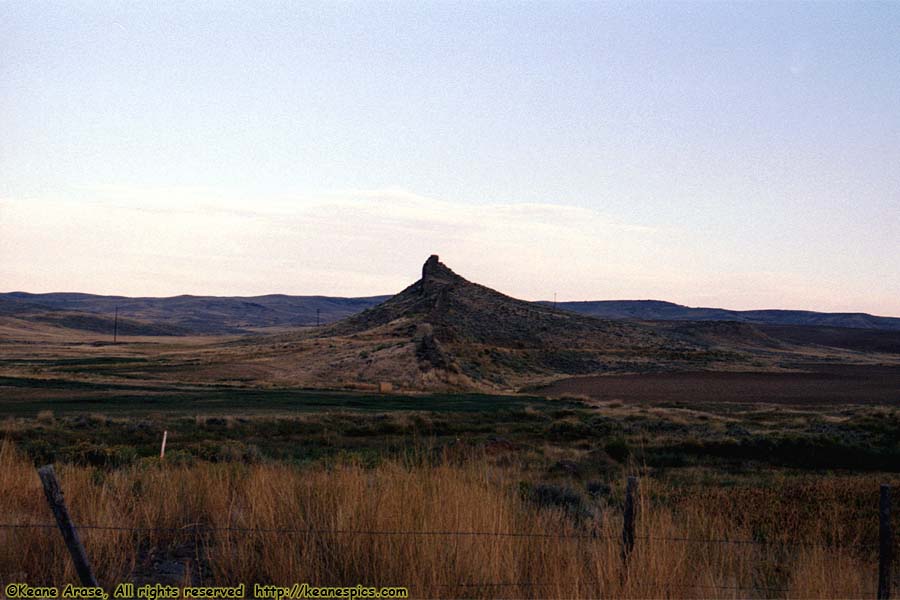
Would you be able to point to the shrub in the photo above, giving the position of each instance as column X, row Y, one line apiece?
column 618, row 449
column 235, row 451
column 598, row 489
column 548, row 495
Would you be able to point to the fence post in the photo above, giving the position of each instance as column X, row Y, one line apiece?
column 628, row 521
column 70, row 535
column 886, row 543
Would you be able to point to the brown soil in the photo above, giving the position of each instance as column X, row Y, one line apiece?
column 820, row 384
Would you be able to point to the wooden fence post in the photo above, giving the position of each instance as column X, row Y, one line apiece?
column 628, row 522
column 886, row 544
column 162, row 449
column 70, row 535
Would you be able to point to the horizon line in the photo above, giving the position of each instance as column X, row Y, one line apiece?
column 740, row 310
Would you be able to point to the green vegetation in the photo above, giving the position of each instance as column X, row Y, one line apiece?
column 775, row 473
column 79, row 397
column 563, row 439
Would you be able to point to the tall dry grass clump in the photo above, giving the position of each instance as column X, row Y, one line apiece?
column 417, row 525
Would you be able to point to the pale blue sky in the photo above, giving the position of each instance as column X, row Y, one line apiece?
column 739, row 155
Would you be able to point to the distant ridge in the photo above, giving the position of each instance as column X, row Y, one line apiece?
column 20, row 315
column 658, row 310
column 220, row 315
column 446, row 332
column 203, row 315
column 443, row 332
column 458, row 310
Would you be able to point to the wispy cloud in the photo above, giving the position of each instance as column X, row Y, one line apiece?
column 175, row 240
column 169, row 241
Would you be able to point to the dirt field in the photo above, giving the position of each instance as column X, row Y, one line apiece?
column 822, row 384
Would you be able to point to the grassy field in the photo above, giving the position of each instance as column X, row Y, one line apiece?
column 107, row 425
column 26, row 396
column 445, row 526
column 444, row 485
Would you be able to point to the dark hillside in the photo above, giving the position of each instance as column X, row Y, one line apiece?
column 657, row 310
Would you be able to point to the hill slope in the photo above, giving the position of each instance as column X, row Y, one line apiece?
column 208, row 315
column 445, row 332
column 24, row 317
column 657, row 310
column 214, row 315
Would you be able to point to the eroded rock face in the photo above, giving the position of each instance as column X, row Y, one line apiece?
column 436, row 275
column 467, row 335
column 430, row 352
column 431, row 266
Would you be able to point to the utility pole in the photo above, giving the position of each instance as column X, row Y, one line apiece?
column 318, row 310
column 116, row 327
column 554, row 299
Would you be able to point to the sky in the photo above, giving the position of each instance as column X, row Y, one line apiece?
column 740, row 155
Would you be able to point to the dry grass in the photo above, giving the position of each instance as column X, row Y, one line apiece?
column 467, row 496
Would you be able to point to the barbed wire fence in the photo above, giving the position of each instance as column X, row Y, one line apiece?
column 627, row 539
